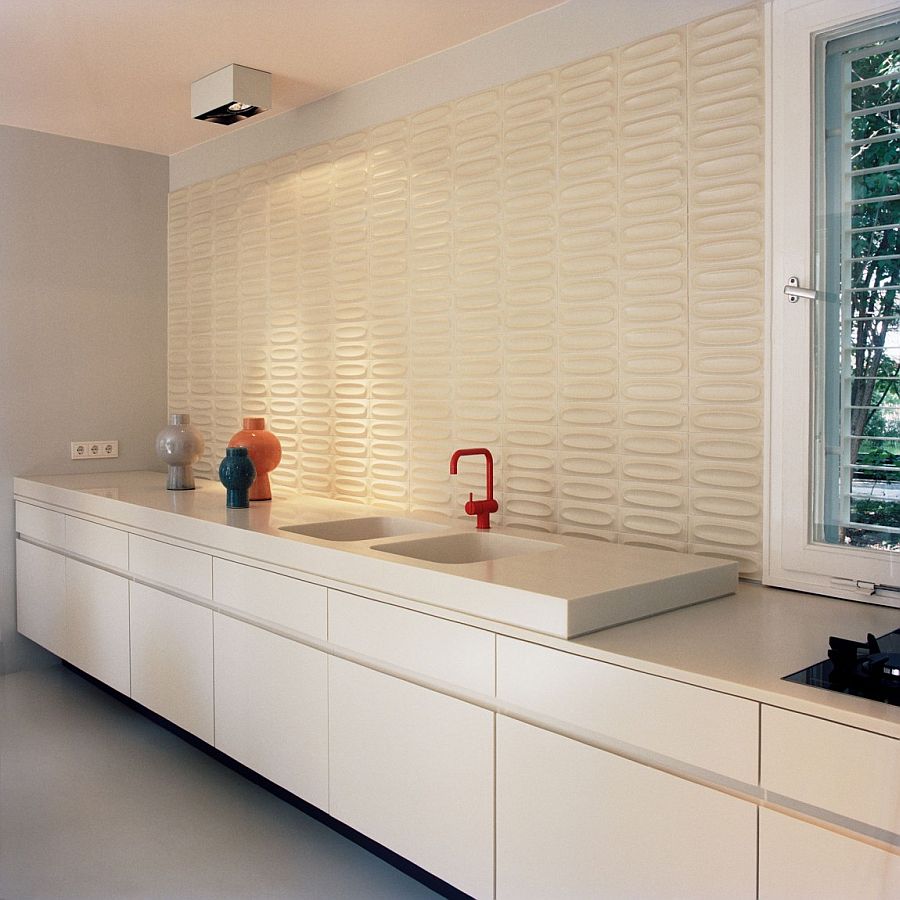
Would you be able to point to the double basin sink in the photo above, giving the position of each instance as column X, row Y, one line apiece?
column 456, row 548
column 565, row 587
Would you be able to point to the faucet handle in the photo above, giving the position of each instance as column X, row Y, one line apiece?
column 471, row 497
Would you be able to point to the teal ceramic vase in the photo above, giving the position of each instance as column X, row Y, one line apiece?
column 237, row 472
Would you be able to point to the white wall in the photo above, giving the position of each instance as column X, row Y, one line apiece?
column 82, row 319
column 576, row 30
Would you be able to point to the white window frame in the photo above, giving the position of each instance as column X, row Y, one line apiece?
column 792, row 559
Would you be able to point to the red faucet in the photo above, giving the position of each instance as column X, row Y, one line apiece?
column 480, row 508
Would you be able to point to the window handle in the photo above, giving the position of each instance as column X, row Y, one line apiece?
column 794, row 293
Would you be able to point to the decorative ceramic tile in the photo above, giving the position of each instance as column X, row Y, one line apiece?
column 567, row 269
column 725, row 79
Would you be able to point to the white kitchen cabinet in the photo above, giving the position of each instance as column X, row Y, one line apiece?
column 43, row 525
column 172, row 659
column 413, row 769
column 96, row 624
column 98, row 543
column 709, row 729
column 76, row 611
column 289, row 603
column 272, row 707
column 848, row 771
column 41, row 596
column 577, row 822
column 430, row 646
column 184, row 570
column 799, row 861
column 851, row 774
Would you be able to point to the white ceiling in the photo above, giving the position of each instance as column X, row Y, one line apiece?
column 120, row 71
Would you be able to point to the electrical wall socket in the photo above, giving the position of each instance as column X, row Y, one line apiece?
column 94, row 449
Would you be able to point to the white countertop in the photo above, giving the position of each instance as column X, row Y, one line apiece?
column 574, row 588
column 741, row 644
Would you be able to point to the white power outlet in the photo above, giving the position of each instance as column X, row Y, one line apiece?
column 94, row 449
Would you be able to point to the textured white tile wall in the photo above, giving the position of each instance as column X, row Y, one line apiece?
column 567, row 269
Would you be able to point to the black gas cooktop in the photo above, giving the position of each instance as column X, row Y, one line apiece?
column 870, row 670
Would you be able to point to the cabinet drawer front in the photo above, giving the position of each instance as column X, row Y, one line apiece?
column 181, row 569
column 575, row 822
column 41, row 596
column 97, row 624
column 288, row 602
column 272, row 707
column 427, row 645
column 848, row 771
column 413, row 769
column 804, row 862
column 172, row 659
column 715, row 731
column 41, row 524
column 100, row 543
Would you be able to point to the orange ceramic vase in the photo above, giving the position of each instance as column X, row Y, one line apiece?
column 265, row 451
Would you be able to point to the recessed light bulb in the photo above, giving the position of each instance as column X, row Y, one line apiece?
column 237, row 106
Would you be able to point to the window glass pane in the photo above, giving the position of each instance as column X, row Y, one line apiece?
column 876, row 155
column 881, row 93
column 886, row 121
column 885, row 242
column 862, row 267
column 882, row 184
column 864, row 65
column 884, row 212
column 857, row 462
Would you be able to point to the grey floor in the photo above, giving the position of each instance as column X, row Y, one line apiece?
column 98, row 802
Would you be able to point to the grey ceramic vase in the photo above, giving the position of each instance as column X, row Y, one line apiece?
column 179, row 445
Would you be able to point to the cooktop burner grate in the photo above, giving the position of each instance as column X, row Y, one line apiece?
column 870, row 669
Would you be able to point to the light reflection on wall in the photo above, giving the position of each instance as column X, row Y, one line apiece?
column 567, row 269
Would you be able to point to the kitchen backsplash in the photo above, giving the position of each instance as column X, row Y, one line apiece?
column 567, row 269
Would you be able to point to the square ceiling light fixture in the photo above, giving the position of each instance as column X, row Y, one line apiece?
column 231, row 95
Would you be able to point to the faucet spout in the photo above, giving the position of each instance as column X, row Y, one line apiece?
column 481, row 509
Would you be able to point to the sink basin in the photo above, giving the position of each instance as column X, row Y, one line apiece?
column 364, row 529
column 470, row 547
